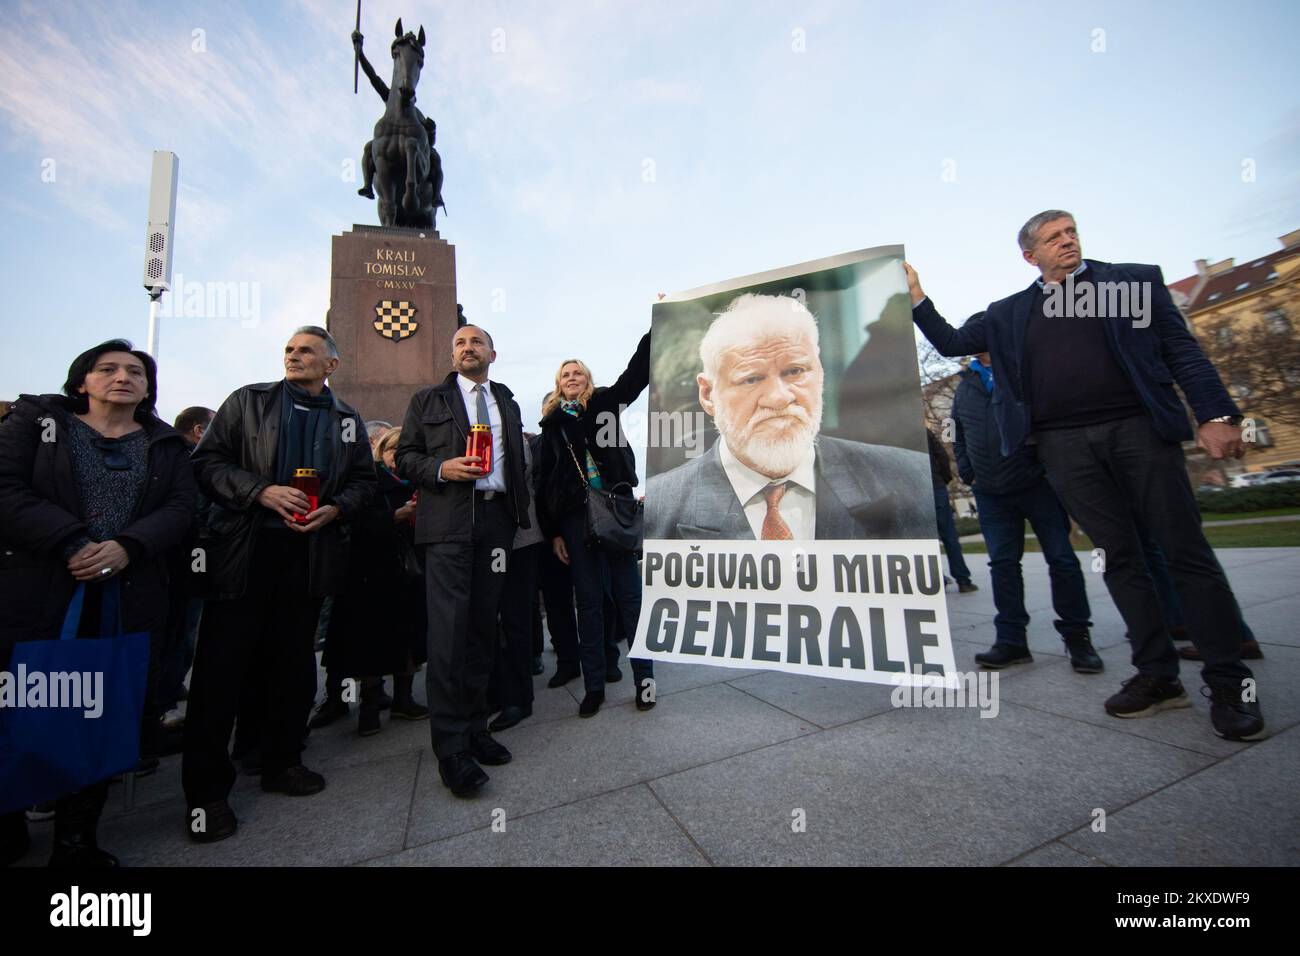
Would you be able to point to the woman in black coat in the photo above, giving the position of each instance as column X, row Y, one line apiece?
column 378, row 622
column 577, row 451
column 93, row 487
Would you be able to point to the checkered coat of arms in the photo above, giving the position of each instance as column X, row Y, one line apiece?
column 395, row 320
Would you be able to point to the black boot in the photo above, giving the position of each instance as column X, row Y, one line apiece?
column 404, row 705
column 75, row 823
column 368, row 724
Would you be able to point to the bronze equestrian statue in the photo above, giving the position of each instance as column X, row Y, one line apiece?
column 400, row 165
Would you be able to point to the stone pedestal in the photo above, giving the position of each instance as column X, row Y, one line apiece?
column 393, row 314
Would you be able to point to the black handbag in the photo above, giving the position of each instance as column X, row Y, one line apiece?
column 615, row 522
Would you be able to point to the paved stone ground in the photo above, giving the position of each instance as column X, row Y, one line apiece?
column 715, row 773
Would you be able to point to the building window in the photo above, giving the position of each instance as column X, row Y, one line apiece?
column 1223, row 335
column 1277, row 321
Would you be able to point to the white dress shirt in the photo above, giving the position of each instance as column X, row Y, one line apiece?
column 496, row 479
column 799, row 505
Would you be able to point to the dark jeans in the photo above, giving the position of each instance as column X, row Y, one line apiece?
column 512, row 676
column 1105, row 474
column 596, row 573
column 1169, row 603
column 1002, row 520
column 271, row 628
column 557, row 596
column 948, row 535
column 464, row 583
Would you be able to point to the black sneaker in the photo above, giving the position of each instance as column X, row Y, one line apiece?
column 1232, row 717
column 1003, row 655
column 1142, row 696
column 1083, row 657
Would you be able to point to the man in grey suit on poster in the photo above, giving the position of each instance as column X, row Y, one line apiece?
column 769, row 476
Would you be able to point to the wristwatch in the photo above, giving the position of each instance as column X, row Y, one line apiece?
column 1233, row 420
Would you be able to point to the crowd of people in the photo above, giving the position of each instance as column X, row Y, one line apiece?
column 241, row 537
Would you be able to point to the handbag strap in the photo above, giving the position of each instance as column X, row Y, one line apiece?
column 581, row 474
column 110, row 608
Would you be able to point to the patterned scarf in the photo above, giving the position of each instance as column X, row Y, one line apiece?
column 574, row 408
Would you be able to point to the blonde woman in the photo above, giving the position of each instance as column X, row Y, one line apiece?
column 575, row 452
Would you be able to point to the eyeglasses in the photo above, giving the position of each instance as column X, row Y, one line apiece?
column 114, row 458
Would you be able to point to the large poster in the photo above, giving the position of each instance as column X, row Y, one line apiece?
column 789, row 518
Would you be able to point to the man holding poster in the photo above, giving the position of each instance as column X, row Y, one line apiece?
column 796, row 533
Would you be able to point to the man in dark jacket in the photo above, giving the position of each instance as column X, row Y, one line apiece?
column 1086, row 359
column 466, row 522
column 269, row 557
column 1010, row 490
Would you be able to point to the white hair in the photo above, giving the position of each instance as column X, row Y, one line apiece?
column 750, row 318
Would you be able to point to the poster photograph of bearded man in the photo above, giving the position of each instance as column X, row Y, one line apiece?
column 801, row 394
column 792, row 526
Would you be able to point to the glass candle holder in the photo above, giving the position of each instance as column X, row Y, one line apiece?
column 480, row 445
column 306, row 480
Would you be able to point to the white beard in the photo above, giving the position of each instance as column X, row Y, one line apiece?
column 775, row 455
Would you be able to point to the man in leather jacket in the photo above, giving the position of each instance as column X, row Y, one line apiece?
column 267, row 556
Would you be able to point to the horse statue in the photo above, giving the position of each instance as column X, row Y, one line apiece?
column 400, row 165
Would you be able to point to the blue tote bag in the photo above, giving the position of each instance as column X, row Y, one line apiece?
column 70, row 715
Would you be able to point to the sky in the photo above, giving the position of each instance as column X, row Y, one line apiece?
column 597, row 153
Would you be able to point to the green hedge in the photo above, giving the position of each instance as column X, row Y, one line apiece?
column 1250, row 499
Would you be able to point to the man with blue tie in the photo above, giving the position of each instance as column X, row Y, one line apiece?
column 466, row 522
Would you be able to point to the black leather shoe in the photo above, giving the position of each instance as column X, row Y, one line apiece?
column 1232, row 717
column 330, row 710
column 487, row 751
column 1003, row 655
column 538, row 666
column 461, row 775
column 408, row 710
column 591, row 703
column 295, row 781
column 1083, row 657
column 508, row 717
column 217, row 822
column 612, row 674
column 79, row 854
column 562, row 676
column 966, row 587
